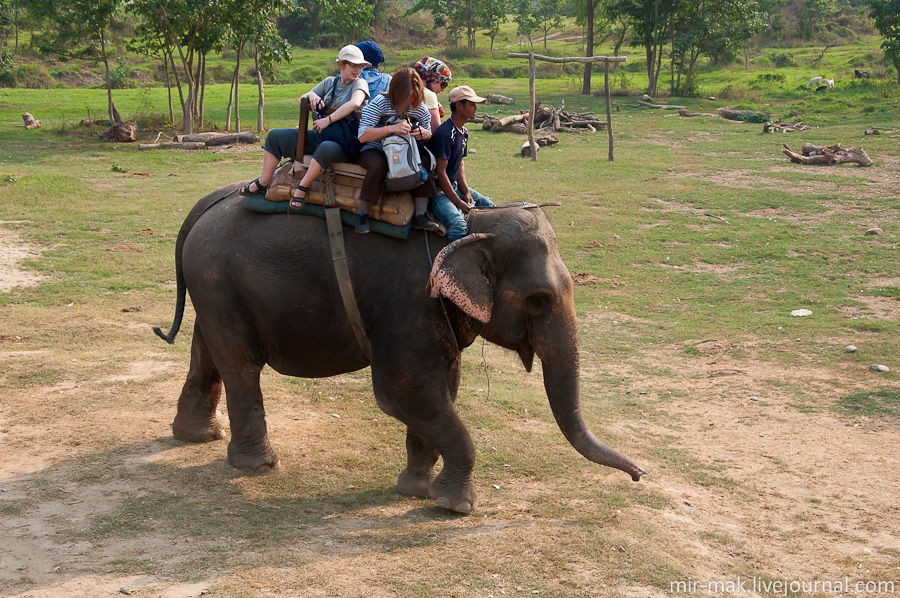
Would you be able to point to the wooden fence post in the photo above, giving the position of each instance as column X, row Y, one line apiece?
column 608, row 110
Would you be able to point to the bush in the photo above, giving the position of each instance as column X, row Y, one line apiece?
column 767, row 81
column 782, row 60
column 30, row 76
column 305, row 74
column 479, row 71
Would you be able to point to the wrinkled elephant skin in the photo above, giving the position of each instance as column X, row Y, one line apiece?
column 265, row 293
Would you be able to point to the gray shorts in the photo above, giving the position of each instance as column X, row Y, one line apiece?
column 282, row 143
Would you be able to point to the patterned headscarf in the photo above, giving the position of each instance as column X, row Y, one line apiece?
column 432, row 69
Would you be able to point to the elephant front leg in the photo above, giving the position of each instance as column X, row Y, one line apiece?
column 419, row 472
column 195, row 420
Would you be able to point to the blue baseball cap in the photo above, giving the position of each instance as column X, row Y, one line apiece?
column 372, row 52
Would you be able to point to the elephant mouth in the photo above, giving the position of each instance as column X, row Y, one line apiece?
column 526, row 354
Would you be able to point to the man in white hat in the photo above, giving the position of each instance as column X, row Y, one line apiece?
column 449, row 144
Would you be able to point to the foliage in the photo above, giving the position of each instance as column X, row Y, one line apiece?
column 886, row 17
column 348, row 21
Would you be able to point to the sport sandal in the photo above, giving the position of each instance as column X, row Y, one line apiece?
column 260, row 188
column 297, row 202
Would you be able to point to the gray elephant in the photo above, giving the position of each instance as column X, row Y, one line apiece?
column 265, row 292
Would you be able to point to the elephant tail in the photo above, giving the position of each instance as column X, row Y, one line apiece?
column 199, row 210
column 181, row 286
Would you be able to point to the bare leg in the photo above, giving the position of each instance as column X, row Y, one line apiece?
column 270, row 163
column 315, row 169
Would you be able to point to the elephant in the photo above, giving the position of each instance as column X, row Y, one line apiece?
column 265, row 292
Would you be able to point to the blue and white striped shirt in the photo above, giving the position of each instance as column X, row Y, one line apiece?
column 380, row 107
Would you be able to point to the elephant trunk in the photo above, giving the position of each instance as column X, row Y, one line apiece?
column 561, row 381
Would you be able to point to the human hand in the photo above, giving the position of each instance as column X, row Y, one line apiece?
column 314, row 100
column 401, row 127
column 463, row 206
column 321, row 123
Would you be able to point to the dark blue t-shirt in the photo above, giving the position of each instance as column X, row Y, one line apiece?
column 448, row 143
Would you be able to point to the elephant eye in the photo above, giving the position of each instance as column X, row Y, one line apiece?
column 537, row 304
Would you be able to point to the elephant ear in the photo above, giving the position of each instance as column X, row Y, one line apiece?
column 458, row 275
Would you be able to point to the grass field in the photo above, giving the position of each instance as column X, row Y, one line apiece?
column 772, row 453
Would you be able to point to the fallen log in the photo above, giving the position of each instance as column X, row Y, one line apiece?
column 187, row 145
column 744, row 115
column 644, row 104
column 213, row 139
column 30, row 122
column 547, row 140
column 515, row 118
column 875, row 131
column 827, row 155
column 684, row 112
column 494, row 98
column 771, row 127
column 122, row 132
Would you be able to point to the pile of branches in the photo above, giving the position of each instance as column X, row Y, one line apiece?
column 828, row 155
column 547, row 119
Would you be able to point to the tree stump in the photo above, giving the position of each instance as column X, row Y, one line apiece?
column 123, row 132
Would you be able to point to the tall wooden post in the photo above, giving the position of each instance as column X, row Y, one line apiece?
column 530, row 128
column 608, row 111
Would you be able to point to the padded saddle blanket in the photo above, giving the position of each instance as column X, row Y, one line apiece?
column 258, row 203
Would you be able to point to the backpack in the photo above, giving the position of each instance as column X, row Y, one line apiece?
column 409, row 164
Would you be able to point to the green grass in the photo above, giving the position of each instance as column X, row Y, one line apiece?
column 878, row 402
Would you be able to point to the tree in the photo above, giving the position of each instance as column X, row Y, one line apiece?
column 651, row 22
column 526, row 21
column 493, row 17
column 348, row 20
column 79, row 29
column 252, row 22
column 548, row 16
column 192, row 28
column 886, row 17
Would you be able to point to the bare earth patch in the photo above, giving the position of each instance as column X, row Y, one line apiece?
column 13, row 251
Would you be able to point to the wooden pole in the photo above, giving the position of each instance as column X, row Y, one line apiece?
column 530, row 127
column 608, row 110
column 301, row 131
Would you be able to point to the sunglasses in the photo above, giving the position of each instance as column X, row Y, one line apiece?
column 443, row 85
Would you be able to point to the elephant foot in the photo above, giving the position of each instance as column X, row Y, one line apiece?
column 263, row 460
column 205, row 430
column 460, row 498
column 412, row 483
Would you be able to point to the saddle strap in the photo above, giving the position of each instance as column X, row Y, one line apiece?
column 342, row 269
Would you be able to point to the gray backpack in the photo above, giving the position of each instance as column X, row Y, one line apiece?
column 407, row 167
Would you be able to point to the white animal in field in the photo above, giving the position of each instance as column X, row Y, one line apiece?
column 828, row 82
column 814, row 81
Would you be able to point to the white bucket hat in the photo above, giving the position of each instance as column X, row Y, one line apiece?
column 352, row 54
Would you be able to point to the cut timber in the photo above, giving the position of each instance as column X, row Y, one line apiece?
column 743, row 115
column 830, row 155
column 874, row 131
column 684, row 112
column 30, row 123
column 188, row 145
column 659, row 106
column 494, row 98
column 516, row 118
column 212, row 139
column 784, row 128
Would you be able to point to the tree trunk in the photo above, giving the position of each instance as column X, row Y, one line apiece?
column 261, row 103
column 589, row 48
column 201, row 103
column 109, row 100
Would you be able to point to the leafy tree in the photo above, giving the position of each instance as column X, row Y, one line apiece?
column 79, row 29
column 348, row 20
column 886, row 17
column 449, row 14
column 493, row 17
column 651, row 21
column 548, row 16
column 192, row 28
column 526, row 21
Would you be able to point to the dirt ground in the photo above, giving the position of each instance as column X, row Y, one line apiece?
column 816, row 495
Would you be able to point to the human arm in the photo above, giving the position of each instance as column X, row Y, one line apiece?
column 347, row 108
column 446, row 186
column 463, row 186
column 435, row 118
column 369, row 127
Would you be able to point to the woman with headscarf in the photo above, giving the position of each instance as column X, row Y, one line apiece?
column 436, row 75
column 334, row 134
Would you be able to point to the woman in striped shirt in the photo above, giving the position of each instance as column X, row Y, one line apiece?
column 405, row 100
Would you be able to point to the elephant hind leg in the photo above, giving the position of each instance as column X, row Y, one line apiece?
column 196, row 419
column 419, row 472
column 249, row 448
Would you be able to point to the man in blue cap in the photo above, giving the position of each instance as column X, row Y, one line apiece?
column 378, row 81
